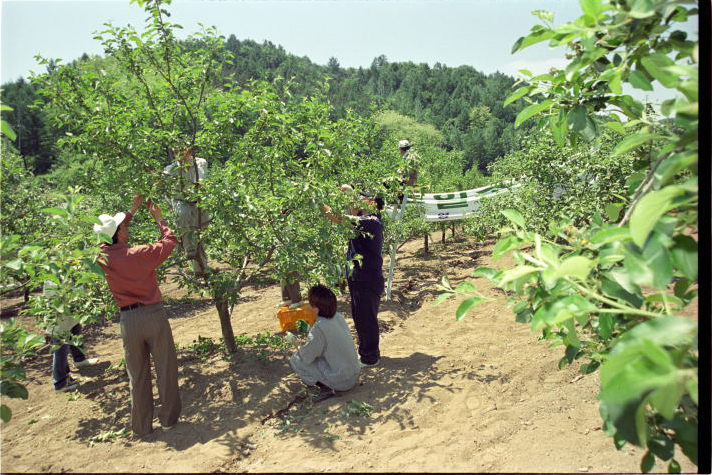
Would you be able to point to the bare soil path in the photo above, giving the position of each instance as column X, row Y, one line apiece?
column 480, row 395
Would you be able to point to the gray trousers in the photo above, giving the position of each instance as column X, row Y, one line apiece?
column 146, row 333
column 189, row 219
column 310, row 374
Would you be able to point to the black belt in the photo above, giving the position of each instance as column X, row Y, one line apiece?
column 132, row 306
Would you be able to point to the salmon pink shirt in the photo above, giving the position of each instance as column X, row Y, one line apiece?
column 131, row 271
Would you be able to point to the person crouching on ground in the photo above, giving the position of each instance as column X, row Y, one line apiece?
column 328, row 358
column 145, row 331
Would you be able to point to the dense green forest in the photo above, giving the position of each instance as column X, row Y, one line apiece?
column 465, row 105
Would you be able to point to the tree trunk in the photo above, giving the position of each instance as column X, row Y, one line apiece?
column 443, row 231
column 226, row 325
column 425, row 246
column 453, row 231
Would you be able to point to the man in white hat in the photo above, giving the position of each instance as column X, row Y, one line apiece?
column 145, row 331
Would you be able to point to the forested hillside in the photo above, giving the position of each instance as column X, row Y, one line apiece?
column 463, row 103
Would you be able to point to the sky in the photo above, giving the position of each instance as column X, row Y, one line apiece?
column 478, row 33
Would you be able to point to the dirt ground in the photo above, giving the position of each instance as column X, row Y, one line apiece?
column 480, row 395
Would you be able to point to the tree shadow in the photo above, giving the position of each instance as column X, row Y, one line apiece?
column 379, row 397
column 218, row 397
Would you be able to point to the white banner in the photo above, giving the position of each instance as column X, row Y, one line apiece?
column 458, row 204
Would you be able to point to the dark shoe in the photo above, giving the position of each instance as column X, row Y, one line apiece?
column 325, row 392
column 367, row 365
column 324, row 395
column 71, row 385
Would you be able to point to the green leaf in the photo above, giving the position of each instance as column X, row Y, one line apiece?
column 667, row 398
column 615, row 126
column 441, row 298
column 684, row 256
column 13, row 390
column 649, row 210
column 674, row 467
column 516, row 95
column 692, row 388
column 9, row 133
column 613, row 210
column 593, row 8
column 56, row 212
column 15, row 264
column 485, row 272
column 577, row 267
column 611, row 235
column 639, row 81
column 532, row 110
column 634, row 141
column 538, row 35
column 517, row 272
column 514, row 216
column 642, row 366
column 577, row 118
column 5, row 413
column 662, row 331
column 525, row 316
column 612, row 289
column 652, row 267
column 505, row 244
column 561, row 310
column 465, row 307
column 614, row 84
column 605, row 325
column 663, row 448
column 642, row 9
column 656, row 65
column 465, row 286
column 674, row 164
column 628, row 420
column 648, row 462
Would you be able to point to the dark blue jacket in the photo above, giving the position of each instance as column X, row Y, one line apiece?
column 369, row 244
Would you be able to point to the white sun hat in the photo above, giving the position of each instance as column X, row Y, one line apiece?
column 109, row 224
column 403, row 144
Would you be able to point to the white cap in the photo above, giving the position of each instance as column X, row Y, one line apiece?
column 109, row 224
column 403, row 144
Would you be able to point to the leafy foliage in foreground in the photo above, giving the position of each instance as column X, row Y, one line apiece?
column 614, row 290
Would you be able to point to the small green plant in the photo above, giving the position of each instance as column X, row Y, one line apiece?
column 108, row 436
column 355, row 408
column 32, row 421
column 119, row 367
column 302, row 326
column 74, row 396
column 331, row 436
column 204, row 346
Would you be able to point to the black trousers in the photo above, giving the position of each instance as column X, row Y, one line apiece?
column 364, row 310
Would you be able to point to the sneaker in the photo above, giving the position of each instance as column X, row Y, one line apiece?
column 71, row 385
column 367, row 365
column 86, row 362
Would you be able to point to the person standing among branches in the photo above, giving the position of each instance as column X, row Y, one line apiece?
column 407, row 173
column 60, row 367
column 145, row 331
column 365, row 281
column 410, row 169
column 189, row 218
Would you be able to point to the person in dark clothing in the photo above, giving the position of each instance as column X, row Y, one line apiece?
column 365, row 281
